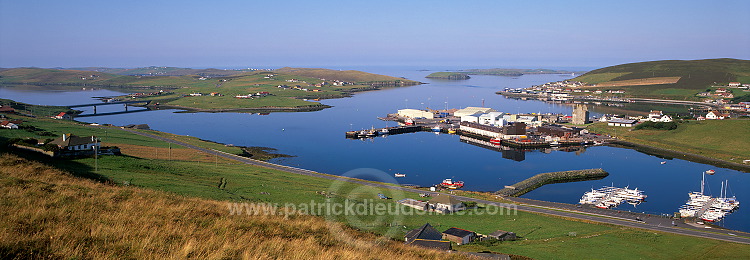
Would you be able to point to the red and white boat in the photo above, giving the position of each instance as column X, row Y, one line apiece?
column 451, row 184
column 409, row 122
column 710, row 172
column 495, row 141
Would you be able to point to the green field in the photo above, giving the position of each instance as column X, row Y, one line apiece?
column 300, row 85
column 695, row 76
column 722, row 139
column 542, row 236
column 447, row 75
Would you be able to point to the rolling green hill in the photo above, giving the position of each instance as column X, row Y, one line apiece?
column 693, row 76
column 347, row 75
column 448, row 75
column 164, row 71
column 287, row 88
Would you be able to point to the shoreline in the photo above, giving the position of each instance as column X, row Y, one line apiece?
column 672, row 154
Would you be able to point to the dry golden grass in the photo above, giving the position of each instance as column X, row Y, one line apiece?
column 639, row 82
column 160, row 153
column 46, row 213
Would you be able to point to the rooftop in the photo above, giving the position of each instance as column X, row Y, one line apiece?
column 458, row 232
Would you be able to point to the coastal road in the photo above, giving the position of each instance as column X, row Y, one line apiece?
column 549, row 208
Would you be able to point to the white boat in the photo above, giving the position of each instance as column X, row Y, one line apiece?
column 400, row 175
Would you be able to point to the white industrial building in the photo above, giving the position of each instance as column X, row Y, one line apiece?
column 472, row 110
column 415, row 113
column 474, row 118
column 492, row 118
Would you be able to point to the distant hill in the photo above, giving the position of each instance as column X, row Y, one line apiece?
column 347, row 76
column 38, row 75
column 513, row 72
column 164, row 71
column 669, row 78
column 448, row 75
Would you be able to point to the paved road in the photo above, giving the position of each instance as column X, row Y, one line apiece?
column 613, row 217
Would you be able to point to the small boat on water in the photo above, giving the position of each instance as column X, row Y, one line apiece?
column 400, row 175
column 451, row 130
column 664, row 162
column 383, row 131
column 409, row 122
column 436, row 129
column 451, row 184
column 495, row 141
column 710, row 172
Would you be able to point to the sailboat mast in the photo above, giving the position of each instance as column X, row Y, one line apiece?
column 703, row 182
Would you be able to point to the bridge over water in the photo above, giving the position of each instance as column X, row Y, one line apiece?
column 126, row 103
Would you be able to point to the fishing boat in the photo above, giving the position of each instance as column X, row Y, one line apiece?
column 409, row 122
column 451, row 130
column 451, row 184
column 495, row 141
column 383, row 131
column 400, row 175
column 436, row 129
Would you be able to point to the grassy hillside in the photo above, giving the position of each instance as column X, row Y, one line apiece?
column 694, row 76
column 345, row 75
column 164, row 71
column 513, row 72
column 447, row 75
column 722, row 139
column 53, row 76
column 300, row 86
column 47, row 213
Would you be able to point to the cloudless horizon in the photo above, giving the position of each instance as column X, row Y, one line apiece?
column 234, row 34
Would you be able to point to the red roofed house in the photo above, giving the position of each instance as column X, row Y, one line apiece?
column 7, row 109
column 8, row 124
column 64, row 115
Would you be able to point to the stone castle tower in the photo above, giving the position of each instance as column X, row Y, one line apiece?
column 580, row 114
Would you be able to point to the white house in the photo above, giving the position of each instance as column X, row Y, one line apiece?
column 76, row 143
column 8, row 124
column 716, row 115
column 446, row 203
column 657, row 116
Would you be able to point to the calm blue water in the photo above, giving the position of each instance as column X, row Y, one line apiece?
column 317, row 140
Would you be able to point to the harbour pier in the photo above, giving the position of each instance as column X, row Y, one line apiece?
column 542, row 179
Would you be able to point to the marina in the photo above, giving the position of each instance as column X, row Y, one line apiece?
column 708, row 208
column 609, row 197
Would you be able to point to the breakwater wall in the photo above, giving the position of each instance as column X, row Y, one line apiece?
column 542, row 179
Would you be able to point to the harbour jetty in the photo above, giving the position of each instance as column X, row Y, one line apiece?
column 542, row 179
column 383, row 131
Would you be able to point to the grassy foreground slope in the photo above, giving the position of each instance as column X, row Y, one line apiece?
column 147, row 164
column 47, row 213
column 726, row 140
column 694, row 76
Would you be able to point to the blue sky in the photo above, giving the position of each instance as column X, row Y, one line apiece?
column 471, row 33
